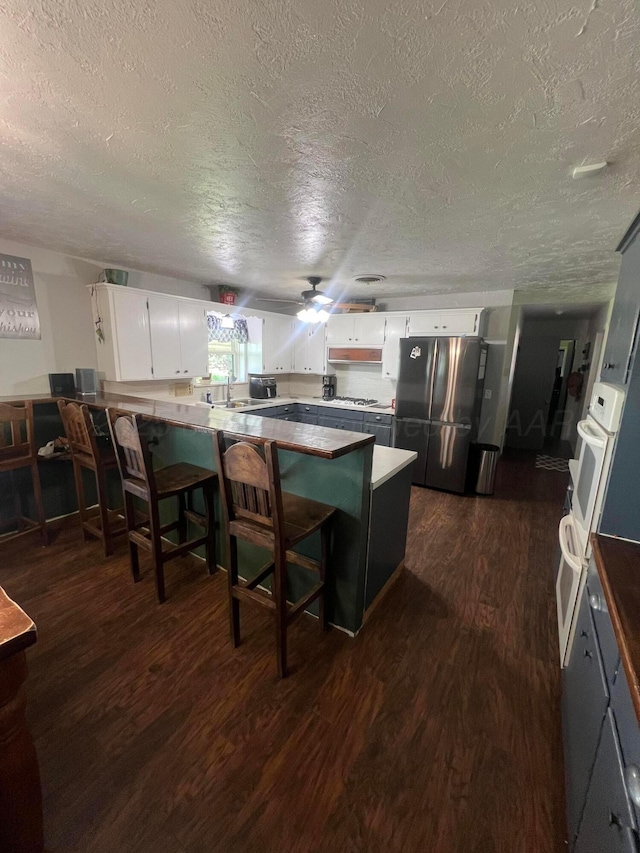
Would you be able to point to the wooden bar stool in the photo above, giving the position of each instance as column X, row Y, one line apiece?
column 18, row 450
column 258, row 511
column 87, row 453
column 181, row 480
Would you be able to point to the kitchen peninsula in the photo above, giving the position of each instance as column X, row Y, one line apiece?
column 369, row 486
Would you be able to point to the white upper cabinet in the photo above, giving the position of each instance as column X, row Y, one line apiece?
column 395, row 328
column 164, row 324
column 366, row 329
column 194, row 339
column 443, row 323
column 317, row 351
column 125, row 353
column 309, row 350
column 277, row 344
column 178, row 338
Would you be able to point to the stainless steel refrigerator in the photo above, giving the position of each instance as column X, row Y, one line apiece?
column 438, row 400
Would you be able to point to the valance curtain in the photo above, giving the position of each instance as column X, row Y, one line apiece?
column 239, row 333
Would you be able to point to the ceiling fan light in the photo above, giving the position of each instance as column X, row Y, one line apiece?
column 321, row 299
column 323, row 315
column 303, row 314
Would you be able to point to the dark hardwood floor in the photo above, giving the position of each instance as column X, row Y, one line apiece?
column 437, row 729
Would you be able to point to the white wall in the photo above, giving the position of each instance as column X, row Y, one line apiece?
column 65, row 317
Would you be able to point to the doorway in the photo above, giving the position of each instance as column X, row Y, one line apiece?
column 557, row 407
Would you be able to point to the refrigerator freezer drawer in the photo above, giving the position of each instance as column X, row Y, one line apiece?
column 448, row 456
column 414, row 435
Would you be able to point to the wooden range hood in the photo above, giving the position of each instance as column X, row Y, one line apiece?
column 355, row 355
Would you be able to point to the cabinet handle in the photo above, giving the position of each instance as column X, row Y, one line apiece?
column 584, row 634
column 608, row 365
column 177, row 371
column 185, row 371
column 632, row 781
column 614, row 820
column 595, row 602
column 587, row 653
column 445, row 327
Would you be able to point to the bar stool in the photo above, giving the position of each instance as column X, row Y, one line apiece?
column 181, row 480
column 258, row 511
column 18, row 450
column 87, row 453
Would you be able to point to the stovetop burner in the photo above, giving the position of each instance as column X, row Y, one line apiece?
column 354, row 401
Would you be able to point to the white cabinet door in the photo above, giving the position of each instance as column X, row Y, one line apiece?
column 424, row 324
column 395, row 328
column 300, row 347
column 277, row 344
column 340, row 329
column 317, row 350
column 131, row 335
column 460, row 323
column 194, row 349
column 164, row 323
column 368, row 329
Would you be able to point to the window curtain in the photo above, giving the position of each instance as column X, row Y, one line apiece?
column 239, row 333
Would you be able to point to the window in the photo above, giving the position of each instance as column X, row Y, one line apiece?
column 227, row 350
column 227, row 359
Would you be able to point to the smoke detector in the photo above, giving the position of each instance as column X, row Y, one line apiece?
column 369, row 278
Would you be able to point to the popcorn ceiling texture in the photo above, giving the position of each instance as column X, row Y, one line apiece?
column 255, row 143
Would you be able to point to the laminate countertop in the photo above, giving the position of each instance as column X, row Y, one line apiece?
column 618, row 563
column 301, row 438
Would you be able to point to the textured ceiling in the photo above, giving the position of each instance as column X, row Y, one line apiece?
column 255, row 143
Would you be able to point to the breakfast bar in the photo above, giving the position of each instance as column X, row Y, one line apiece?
column 369, row 486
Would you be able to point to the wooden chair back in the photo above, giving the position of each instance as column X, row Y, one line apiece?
column 79, row 430
column 249, row 480
column 132, row 452
column 16, row 432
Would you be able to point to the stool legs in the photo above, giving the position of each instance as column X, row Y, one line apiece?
column 280, row 597
column 325, row 541
column 210, row 545
column 232, row 579
column 156, row 549
column 101, row 487
column 37, row 499
column 130, row 517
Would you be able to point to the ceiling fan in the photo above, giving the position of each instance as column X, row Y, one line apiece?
column 314, row 303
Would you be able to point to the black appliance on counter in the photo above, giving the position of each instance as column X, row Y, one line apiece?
column 262, row 387
column 438, row 400
column 86, row 381
column 328, row 387
column 62, row 384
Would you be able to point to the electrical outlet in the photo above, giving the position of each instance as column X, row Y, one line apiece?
column 487, row 394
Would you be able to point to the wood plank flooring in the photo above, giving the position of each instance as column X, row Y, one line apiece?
column 437, row 729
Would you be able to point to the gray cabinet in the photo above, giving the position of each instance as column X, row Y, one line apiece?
column 340, row 423
column 585, row 698
column 380, row 426
column 608, row 824
column 603, row 625
column 625, row 312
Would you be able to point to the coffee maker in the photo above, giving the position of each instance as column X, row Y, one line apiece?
column 328, row 387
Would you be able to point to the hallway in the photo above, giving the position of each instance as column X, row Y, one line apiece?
column 438, row 728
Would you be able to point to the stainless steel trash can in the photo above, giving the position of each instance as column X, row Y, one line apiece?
column 487, row 463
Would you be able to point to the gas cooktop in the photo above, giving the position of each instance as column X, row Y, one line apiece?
column 352, row 401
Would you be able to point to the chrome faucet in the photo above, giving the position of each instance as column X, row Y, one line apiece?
column 230, row 380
